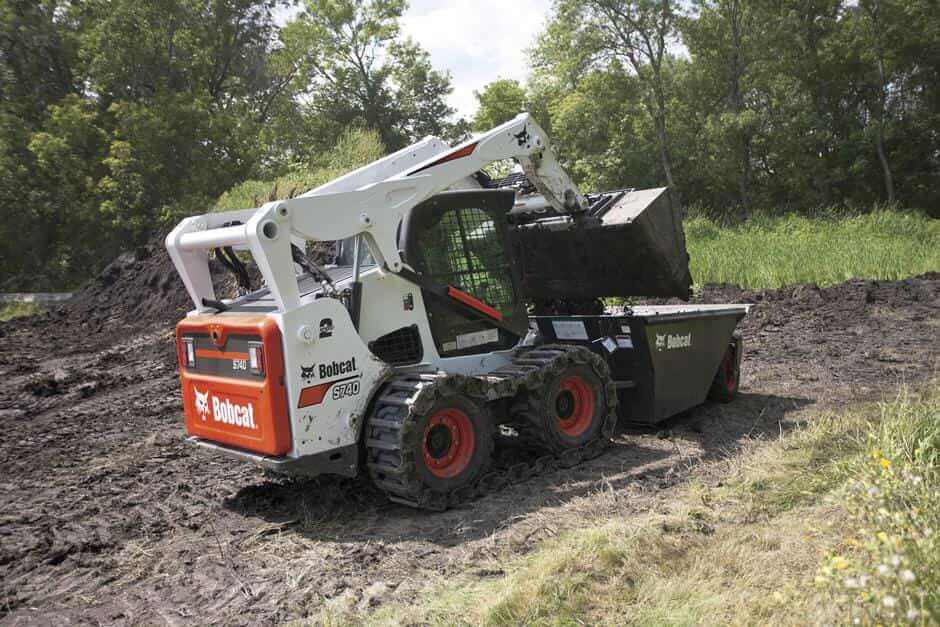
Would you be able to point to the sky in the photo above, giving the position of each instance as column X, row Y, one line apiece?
column 479, row 41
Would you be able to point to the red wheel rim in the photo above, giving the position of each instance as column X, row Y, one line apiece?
column 574, row 406
column 727, row 366
column 449, row 442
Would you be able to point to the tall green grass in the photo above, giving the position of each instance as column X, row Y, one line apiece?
column 770, row 251
column 355, row 148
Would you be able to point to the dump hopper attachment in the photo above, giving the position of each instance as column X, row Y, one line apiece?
column 628, row 244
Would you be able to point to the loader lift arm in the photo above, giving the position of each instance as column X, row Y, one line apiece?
column 367, row 202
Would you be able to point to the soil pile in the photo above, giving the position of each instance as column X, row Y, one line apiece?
column 139, row 290
column 136, row 289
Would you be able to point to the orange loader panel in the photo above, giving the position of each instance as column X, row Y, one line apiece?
column 222, row 401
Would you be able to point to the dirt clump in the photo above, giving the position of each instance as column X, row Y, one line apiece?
column 107, row 515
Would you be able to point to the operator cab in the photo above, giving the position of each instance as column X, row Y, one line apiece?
column 459, row 239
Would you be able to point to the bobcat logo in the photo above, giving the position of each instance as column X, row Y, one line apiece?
column 202, row 403
column 668, row 341
column 523, row 136
column 309, row 372
column 660, row 341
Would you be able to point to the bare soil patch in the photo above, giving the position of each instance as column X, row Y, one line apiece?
column 107, row 516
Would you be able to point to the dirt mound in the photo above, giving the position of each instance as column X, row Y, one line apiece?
column 139, row 290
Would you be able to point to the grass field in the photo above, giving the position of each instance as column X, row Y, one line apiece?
column 8, row 311
column 769, row 251
column 833, row 522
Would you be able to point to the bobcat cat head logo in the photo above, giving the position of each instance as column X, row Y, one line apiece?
column 308, row 372
column 202, row 403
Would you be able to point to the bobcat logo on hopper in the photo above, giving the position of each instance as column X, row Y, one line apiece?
column 668, row 341
column 202, row 403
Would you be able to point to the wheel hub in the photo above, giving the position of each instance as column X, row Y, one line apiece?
column 439, row 441
column 574, row 406
column 564, row 404
column 449, row 443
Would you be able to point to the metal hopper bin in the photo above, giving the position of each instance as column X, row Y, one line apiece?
column 663, row 359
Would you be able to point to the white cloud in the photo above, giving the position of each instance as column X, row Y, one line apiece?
column 477, row 40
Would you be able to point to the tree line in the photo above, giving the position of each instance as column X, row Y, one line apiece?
column 117, row 117
column 742, row 104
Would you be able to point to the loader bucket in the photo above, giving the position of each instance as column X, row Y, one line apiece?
column 636, row 248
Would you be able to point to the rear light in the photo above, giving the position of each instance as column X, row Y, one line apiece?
column 189, row 351
column 255, row 358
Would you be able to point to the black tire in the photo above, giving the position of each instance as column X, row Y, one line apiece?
column 407, row 451
column 727, row 381
column 568, row 410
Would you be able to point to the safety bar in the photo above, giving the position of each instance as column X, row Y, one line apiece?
column 214, row 238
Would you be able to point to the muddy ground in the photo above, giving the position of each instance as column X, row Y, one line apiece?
column 107, row 516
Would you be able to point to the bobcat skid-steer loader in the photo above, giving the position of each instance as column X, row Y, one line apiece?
column 408, row 356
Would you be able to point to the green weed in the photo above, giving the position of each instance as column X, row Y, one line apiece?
column 834, row 521
column 354, row 149
column 8, row 311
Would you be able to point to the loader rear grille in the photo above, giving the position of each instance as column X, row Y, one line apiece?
column 402, row 346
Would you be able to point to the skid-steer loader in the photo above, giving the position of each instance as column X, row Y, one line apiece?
column 460, row 311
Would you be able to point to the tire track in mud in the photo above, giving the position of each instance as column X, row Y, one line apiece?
column 106, row 515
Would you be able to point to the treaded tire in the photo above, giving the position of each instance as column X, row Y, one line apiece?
column 397, row 451
column 554, row 415
column 400, row 459
column 727, row 381
column 480, row 456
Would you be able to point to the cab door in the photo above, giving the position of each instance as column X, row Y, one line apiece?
column 460, row 239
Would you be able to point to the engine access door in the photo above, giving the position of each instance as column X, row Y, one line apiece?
column 460, row 239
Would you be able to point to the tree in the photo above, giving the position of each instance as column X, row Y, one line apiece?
column 636, row 33
column 873, row 32
column 130, row 114
column 724, row 39
column 355, row 69
column 38, row 53
column 500, row 101
column 185, row 87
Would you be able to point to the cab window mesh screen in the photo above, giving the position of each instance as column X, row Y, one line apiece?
column 464, row 249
